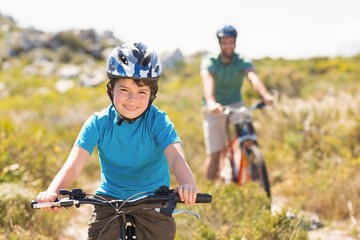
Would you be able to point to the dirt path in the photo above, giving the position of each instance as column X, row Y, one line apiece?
column 334, row 231
column 77, row 229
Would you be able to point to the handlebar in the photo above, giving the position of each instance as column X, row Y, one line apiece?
column 77, row 197
column 259, row 105
column 229, row 109
column 243, row 113
column 239, row 116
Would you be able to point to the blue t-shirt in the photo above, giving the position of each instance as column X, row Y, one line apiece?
column 131, row 156
column 228, row 77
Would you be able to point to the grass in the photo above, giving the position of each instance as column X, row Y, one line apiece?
column 309, row 139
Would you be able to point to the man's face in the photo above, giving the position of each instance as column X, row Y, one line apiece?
column 227, row 46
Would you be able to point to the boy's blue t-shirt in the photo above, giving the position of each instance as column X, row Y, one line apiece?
column 131, row 156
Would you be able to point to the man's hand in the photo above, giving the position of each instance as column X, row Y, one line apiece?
column 214, row 107
column 268, row 99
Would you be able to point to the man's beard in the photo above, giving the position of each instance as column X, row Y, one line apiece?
column 227, row 56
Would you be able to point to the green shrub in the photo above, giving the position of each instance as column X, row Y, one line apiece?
column 240, row 213
column 27, row 154
column 310, row 140
column 19, row 221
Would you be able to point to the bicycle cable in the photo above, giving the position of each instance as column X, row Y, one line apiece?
column 117, row 213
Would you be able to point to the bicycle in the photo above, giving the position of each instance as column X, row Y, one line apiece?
column 163, row 198
column 248, row 164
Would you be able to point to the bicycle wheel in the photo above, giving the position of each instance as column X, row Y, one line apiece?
column 258, row 168
column 228, row 167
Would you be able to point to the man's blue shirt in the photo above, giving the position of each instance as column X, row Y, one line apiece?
column 131, row 156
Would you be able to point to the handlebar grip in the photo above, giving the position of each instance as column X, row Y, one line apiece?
column 200, row 198
column 260, row 105
column 59, row 203
column 33, row 204
column 38, row 205
column 203, row 198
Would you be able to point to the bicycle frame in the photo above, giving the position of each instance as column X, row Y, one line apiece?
column 250, row 165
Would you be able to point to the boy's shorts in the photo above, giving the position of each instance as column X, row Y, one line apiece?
column 150, row 225
column 214, row 129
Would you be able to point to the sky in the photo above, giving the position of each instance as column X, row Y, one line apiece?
column 276, row 28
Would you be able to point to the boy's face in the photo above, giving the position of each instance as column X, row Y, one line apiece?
column 130, row 100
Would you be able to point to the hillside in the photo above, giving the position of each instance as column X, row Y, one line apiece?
column 310, row 138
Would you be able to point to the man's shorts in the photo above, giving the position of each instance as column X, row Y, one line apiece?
column 214, row 129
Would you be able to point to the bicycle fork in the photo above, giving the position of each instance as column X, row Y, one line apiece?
column 244, row 175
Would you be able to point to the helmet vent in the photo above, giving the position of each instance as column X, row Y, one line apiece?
column 157, row 68
column 123, row 58
column 146, row 61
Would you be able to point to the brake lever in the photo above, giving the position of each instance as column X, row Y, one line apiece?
column 176, row 212
column 75, row 193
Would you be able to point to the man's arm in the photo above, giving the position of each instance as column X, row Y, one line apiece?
column 209, row 95
column 259, row 87
column 208, row 85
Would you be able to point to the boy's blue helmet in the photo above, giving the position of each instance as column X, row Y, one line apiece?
column 226, row 31
column 133, row 60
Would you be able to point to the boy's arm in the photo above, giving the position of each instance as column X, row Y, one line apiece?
column 187, row 186
column 67, row 175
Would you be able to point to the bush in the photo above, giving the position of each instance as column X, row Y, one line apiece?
column 240, row 213
column 18, row 220
column 24, row 162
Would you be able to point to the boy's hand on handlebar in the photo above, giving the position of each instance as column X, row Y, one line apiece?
column 47, row 196
column 187, row 193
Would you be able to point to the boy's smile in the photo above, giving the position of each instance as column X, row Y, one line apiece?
column 130, row 99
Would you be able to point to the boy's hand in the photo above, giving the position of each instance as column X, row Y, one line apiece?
column 187, row 193
column 47, row 196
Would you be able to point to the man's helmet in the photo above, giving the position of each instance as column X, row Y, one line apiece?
column 133, row 60
column 226, row 31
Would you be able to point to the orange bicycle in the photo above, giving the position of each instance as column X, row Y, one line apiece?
column 243, row 159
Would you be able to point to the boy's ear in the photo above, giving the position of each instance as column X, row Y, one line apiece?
column 109, row 91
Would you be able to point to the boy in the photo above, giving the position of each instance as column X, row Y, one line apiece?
column 137, row 146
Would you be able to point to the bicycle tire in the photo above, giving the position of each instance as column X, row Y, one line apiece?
column 258, row 168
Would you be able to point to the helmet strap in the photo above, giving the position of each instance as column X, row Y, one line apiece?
column 130, row 120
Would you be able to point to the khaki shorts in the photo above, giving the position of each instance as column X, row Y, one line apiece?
column 150, row 225
column 214, row 129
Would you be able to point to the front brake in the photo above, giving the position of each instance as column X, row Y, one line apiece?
column 176, row 212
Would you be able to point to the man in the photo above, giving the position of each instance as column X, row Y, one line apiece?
column 222, row 77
